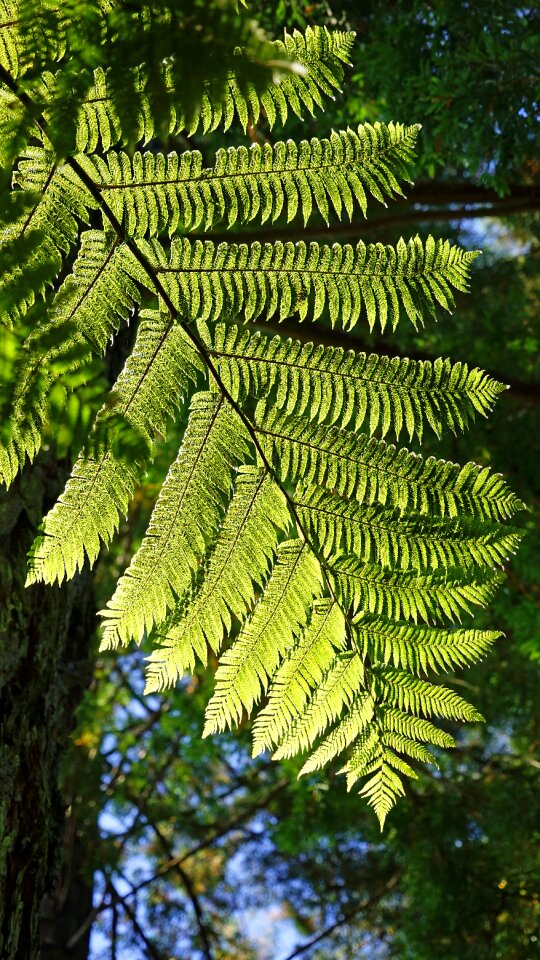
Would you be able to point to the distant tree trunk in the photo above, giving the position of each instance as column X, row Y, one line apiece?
column 45, row 635
column 64, row 929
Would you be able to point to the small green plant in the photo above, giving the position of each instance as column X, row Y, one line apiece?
column 318, row 559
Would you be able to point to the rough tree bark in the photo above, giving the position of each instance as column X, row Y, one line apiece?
column 45, row 635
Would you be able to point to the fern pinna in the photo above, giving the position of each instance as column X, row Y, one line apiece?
column 325, row 566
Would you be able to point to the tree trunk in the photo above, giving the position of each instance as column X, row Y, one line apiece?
column 64, row 929
column 45, row 634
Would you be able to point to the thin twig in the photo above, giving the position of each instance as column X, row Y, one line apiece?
column 151, row 949
column 180, row 859
column 412, row 214
column 345, row 917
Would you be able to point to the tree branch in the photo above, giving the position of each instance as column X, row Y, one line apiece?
column 345, row 917
column 151, row 949
column 181, row 858
column 184, row 877
column 443, row 202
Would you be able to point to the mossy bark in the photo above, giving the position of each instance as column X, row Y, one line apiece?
column 45, row 635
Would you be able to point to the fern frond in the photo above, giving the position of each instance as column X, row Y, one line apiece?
column 299, row 673
column 338, row 689
column 63, row 200
column 365, row 755
column 400, row 689
column 328, row 648
column 16, row 129
column 29, row 37
column 371, row 282
column 358, row 715
column 97, row 295
column 187, row 513
column 385, row 787
column 44, row 233
column 420, row 649
column 9, row 54
column 373, row 471
column 371, row 756
column 406, row 595
column 402, row 744
column 413, row 728
column 152, row 194
column 392, row 539
column 319, row 56
column 101, row 291
column 380, row 735
column 226, row 584
column 246, row 668
column 348, row 389
column 293, row 74
column 152, row 384
column 98, row 124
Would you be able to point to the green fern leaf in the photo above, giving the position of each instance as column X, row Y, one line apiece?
column 358, row 715
column 186, row 515
column 406, row 595
column 420, row 649
column 338, row 689
column 371, row 756
column 45, row 232
column 413, row 728
column 300, row 672
column 9, row 53
column 402, row 744
column 317, row 56
column 392, row 539
column 298, row 73
column 334, row 635
column 29, row 36
column 101, row 291
column 259, row 281
column 152, row 194
column 383, row 789
column 331, row 385
column 98, row 123
column 119, row 447
column 98, row 294
column 412, row 695
column 246, row 668
column 225, row 587
column 373, row 471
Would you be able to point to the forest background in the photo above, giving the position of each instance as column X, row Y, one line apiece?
column 180, row 847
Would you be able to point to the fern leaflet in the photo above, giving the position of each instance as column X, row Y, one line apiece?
column 348, row 389
column 226, row 584
column 246, row 667
column 119, row 448
column 176, row 538
column 259, row 281
column 151, row 193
